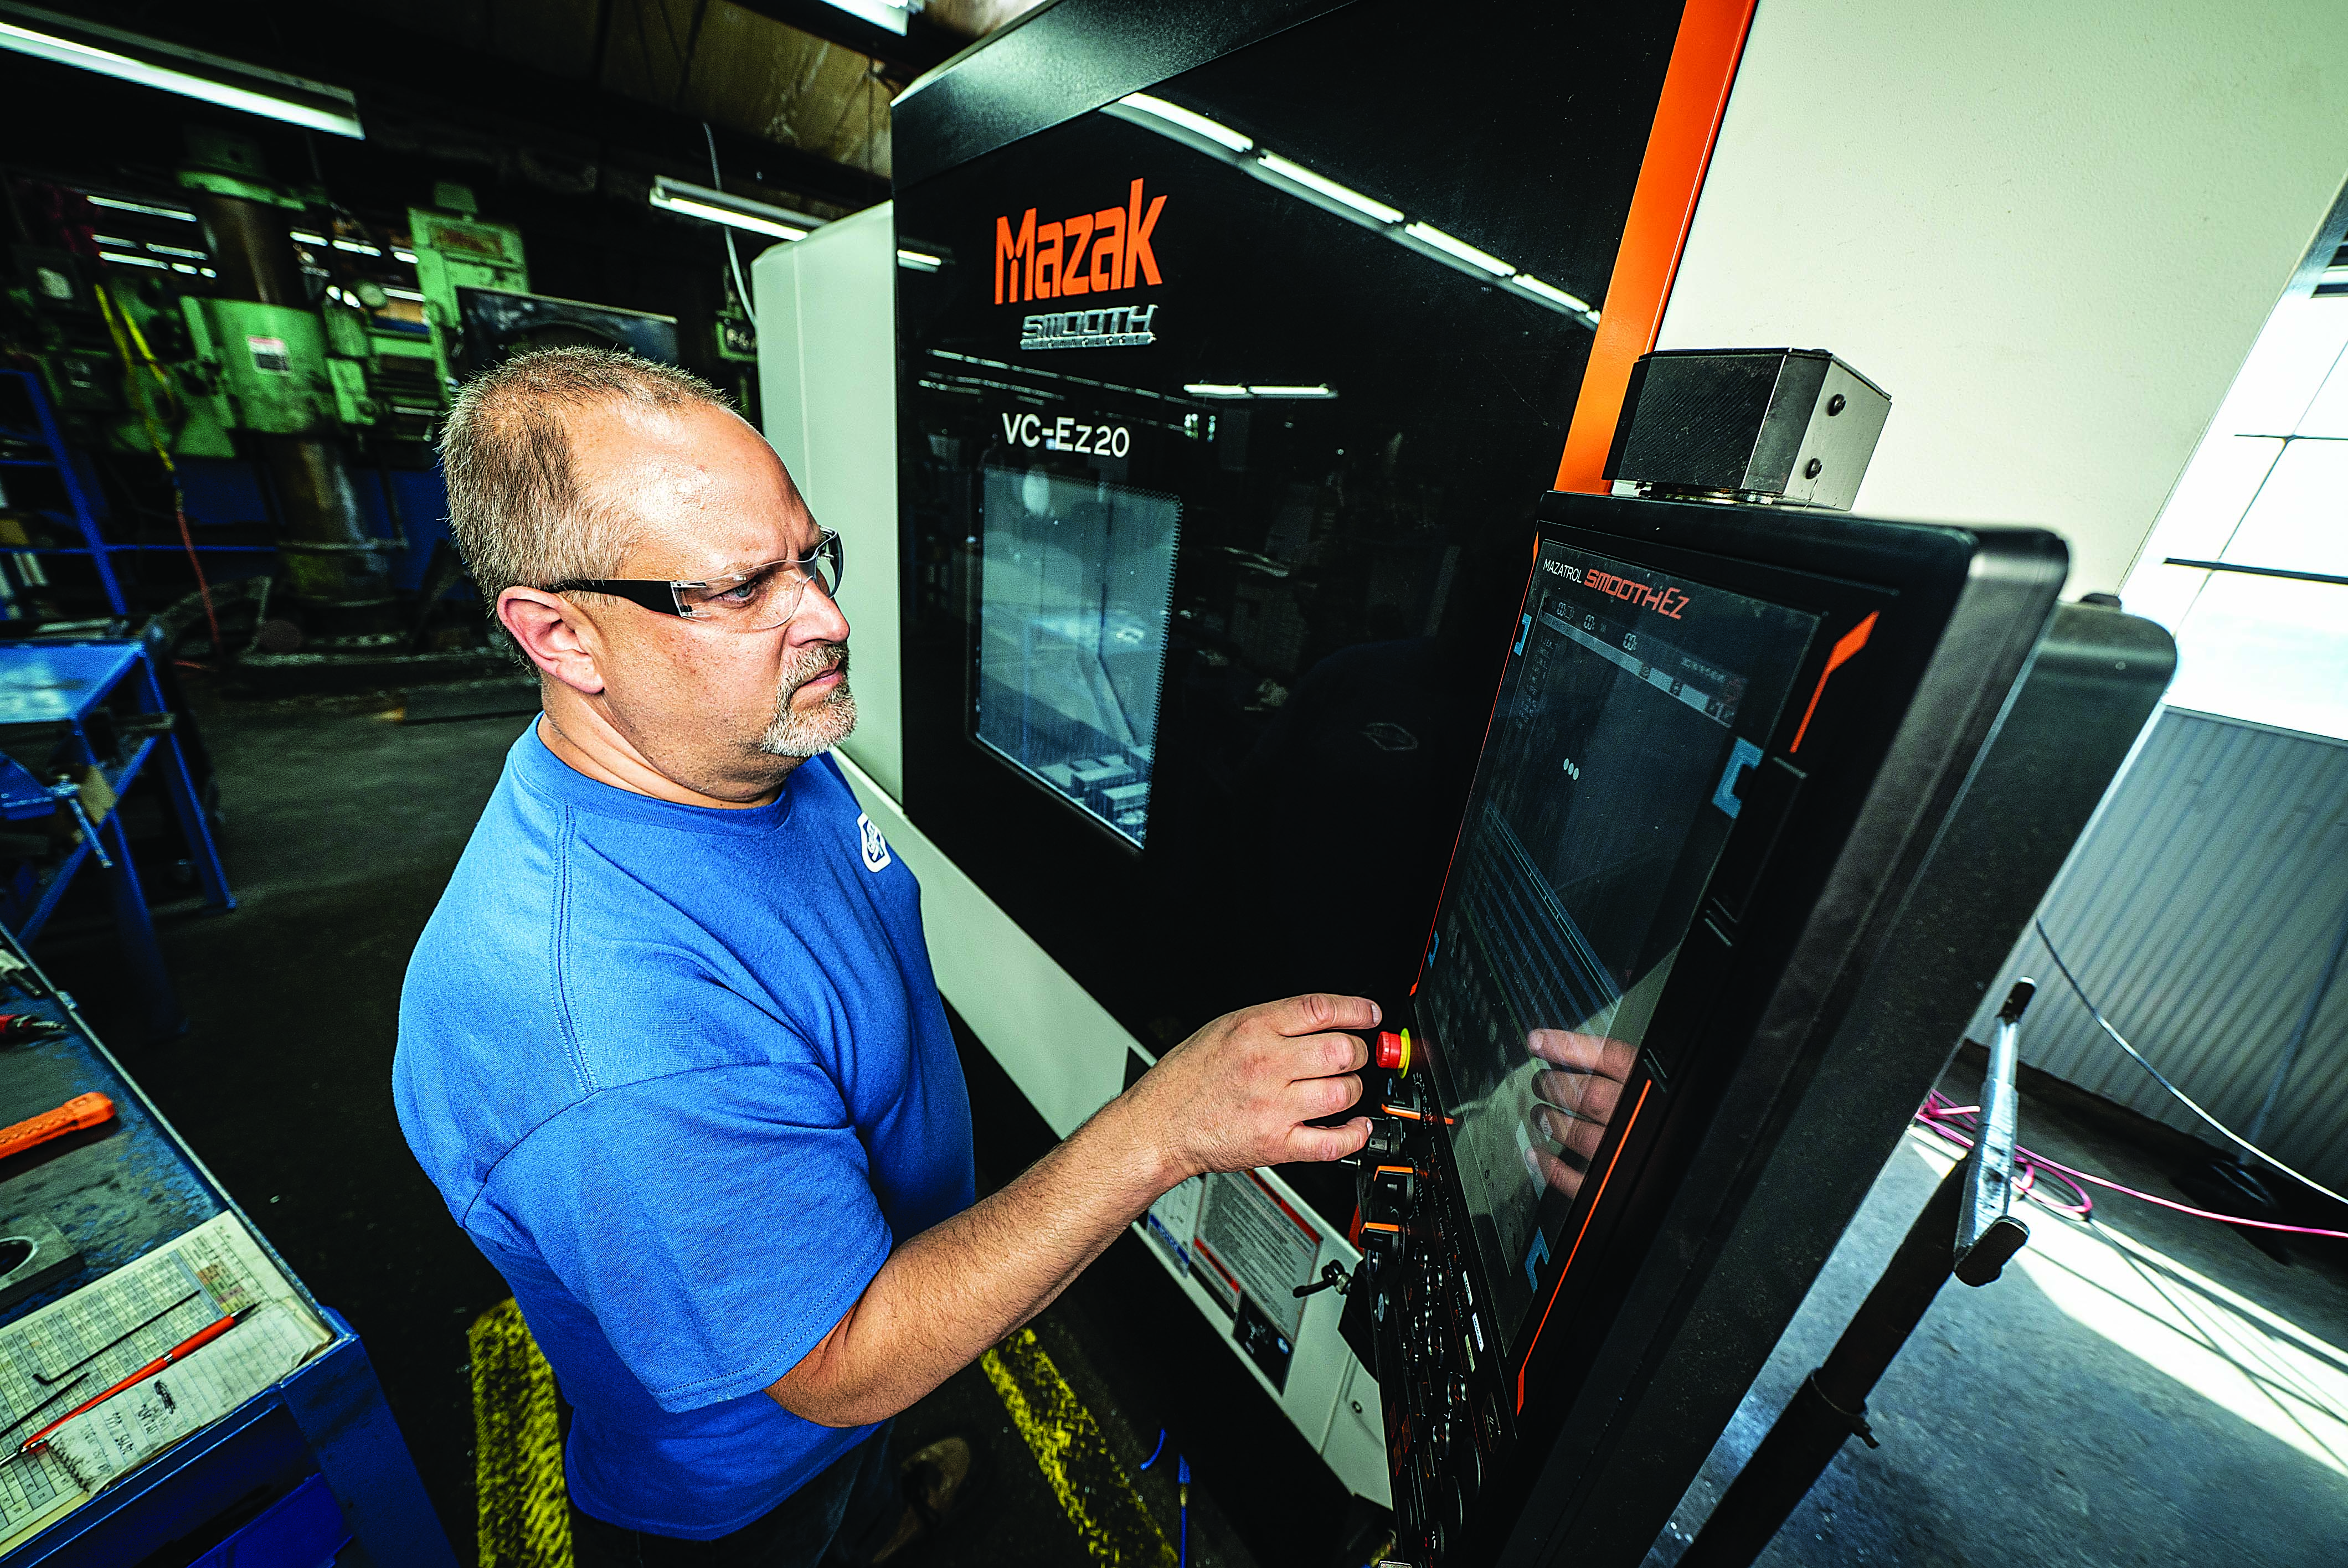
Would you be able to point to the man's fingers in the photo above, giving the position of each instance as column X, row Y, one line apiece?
column 1583, row 1052
column 1581, row 1137
column 1553, row 1171
column 1318, row 1011
column 1328, row 1143
column 1582, row 1093
column 1321, row 1055
column 1327, row 1096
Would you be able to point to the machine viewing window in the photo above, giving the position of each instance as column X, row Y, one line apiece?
column 1632, row 706
column 1075, row 582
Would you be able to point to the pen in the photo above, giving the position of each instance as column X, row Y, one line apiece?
column 185, row 1347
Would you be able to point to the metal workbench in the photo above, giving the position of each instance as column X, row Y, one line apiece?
column 263, row 1477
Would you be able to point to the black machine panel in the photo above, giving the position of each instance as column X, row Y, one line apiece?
column 1676, row 983
column 1215, row 483
column 1634, row 708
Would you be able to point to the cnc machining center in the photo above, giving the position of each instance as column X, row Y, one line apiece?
column 1189, row 419
column 1187, row 427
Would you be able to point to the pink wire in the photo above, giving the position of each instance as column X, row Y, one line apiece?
column 2187, row 1209
column 1936, row 1112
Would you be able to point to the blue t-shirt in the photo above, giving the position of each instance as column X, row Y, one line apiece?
column 684, row 1075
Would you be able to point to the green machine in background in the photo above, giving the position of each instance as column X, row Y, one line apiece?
column 265, row 321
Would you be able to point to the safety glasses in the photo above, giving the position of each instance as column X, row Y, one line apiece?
column 759, row 599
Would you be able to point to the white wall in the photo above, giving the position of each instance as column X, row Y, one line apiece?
column 2051, row 231
column 827, row 390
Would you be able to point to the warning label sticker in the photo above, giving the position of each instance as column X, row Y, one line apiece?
column 269, row 354
column 1259, row 1244
column 1173, row 1220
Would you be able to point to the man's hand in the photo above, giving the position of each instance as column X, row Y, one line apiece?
column 1578, row 1095
column 1238, row 1093
column 1235, row 1095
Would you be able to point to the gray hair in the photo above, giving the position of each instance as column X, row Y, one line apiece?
column 515, row 504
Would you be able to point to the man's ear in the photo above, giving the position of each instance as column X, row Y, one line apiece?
column 558, row 639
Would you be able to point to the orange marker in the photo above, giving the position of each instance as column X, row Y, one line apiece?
column 184, row 1348
column 82, row 1111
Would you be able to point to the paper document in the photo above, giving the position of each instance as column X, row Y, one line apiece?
column 75, row 1349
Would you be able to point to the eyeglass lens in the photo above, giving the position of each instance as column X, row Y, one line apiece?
column 767, row 597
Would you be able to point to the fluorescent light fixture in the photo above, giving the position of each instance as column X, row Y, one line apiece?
column 1452, row 245
column 403, row 294
column 1554, row 294
column 880, row 13
column 1368, row 206
column 116, row 203
column 180, row 250
column 407, row 256
column 1320, row 391
column 919, row 260
column 122, row 258
column 356, row 249
column 1196, row 124
column 733, row 211
column 152, row 63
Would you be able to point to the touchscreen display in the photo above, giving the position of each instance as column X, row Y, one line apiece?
column 1632, row 706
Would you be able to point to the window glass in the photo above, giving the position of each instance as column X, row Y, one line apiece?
column 2236, row 568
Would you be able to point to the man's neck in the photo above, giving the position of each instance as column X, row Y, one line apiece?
column 582, row 738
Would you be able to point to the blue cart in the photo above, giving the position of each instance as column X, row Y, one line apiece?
column 106, row 704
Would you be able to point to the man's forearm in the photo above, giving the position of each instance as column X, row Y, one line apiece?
column 1244, row 1091
column 949, row 1293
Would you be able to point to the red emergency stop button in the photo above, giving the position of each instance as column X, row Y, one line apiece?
column 1393, row 1050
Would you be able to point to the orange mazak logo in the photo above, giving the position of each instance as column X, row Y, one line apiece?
column 1090, row 253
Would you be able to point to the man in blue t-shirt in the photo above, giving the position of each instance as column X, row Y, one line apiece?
column 670, row 1047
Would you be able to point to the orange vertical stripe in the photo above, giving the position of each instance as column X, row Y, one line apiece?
column 1687, row 123
column 1588, row 1215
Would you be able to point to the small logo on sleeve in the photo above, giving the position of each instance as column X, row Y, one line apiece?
column 876, row 848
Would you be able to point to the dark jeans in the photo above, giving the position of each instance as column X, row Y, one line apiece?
column 836, row 1521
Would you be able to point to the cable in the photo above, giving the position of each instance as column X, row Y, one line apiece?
column 1182, row 1484
column 1938, row 1116
column 741, row 288
column 125, row 332
column 2188, row 1209
column 2183, row 1099
column 1181, row 1495
column 1951, row 1122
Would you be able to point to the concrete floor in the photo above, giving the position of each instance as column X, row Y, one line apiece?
column 2151, row 1390
column 2145, row 1389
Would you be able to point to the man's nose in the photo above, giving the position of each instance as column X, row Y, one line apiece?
column 819, row 618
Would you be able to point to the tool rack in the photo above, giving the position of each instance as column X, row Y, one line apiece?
column 313, row 1471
